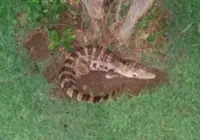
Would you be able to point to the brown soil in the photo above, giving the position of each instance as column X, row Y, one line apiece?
column 37, row 44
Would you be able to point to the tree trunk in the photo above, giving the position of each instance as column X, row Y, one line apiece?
column 96, row 13
column 136, row 11
column 123, row 33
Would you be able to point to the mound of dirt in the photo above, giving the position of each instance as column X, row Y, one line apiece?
column 95, row 82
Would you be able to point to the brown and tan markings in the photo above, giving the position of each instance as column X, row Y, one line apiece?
column 92, row 58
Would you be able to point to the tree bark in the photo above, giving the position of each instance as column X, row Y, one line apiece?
column 136, row 11
column 95, row 10
column 97, row 15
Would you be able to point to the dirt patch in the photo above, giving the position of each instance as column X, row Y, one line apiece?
column 95, row 82
column 37, row 44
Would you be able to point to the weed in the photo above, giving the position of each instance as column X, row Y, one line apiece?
column 124, row 9
column 44, row 9
column 145, row 20
column 153, row 37
column 65, row 39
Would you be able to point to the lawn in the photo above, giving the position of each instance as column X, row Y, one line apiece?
column 170, row 112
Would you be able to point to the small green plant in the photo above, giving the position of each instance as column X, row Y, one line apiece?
column 44, row 9
column 124, row 9
column 65, row 39
column 78, row 1
column 153, row 37
column 150, row 16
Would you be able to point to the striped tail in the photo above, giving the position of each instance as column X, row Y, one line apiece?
column 69, row 86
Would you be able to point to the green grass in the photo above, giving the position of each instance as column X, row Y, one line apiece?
column 171, row 112
column 44, row 9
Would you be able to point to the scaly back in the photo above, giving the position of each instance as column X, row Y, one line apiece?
column 95, row 58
